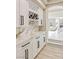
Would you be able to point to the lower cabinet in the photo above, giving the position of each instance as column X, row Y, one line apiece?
column 34, row 47
column 31, row 49
column 38, row 43
column 20, row 53
column 42, row 40
column 24, row 51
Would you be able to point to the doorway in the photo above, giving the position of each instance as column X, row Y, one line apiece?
column 55, row 25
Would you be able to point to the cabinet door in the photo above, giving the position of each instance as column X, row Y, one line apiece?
column 31, row 48
column 34, row 47
column 28, row 52
column 24, row 51
column 20, row 52
column 38, row 46
column 42, row 40
column 25, row 54
column 38, row 41
column 17, row 13
column 40, row 12
column 24, row 6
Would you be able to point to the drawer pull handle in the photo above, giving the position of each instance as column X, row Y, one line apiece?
column 38, row 44
column 26, row 54
column 44, row 39
column 25, row 44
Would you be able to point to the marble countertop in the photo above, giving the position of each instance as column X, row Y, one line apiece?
column 24, row 38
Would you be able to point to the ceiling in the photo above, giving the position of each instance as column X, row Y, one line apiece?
column 46, row 2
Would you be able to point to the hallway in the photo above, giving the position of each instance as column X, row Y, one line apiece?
column 51, row 52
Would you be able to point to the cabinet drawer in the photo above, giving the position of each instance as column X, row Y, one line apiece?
column 19, row 52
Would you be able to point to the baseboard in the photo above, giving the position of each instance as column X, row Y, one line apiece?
column 39, row 51
column 52, row 41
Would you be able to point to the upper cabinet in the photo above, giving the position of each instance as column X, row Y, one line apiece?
column 40, row 13
column 28, row 12
column 22, row 7
column 35, row 13
column 33, row 6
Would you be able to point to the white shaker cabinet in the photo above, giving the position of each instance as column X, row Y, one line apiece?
column 30, row 49
column 22, row 7
column 24, row 51
column 40, row 13
column 20, row 52
column 34, row 47
column 39, row 43
column 42, row 40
